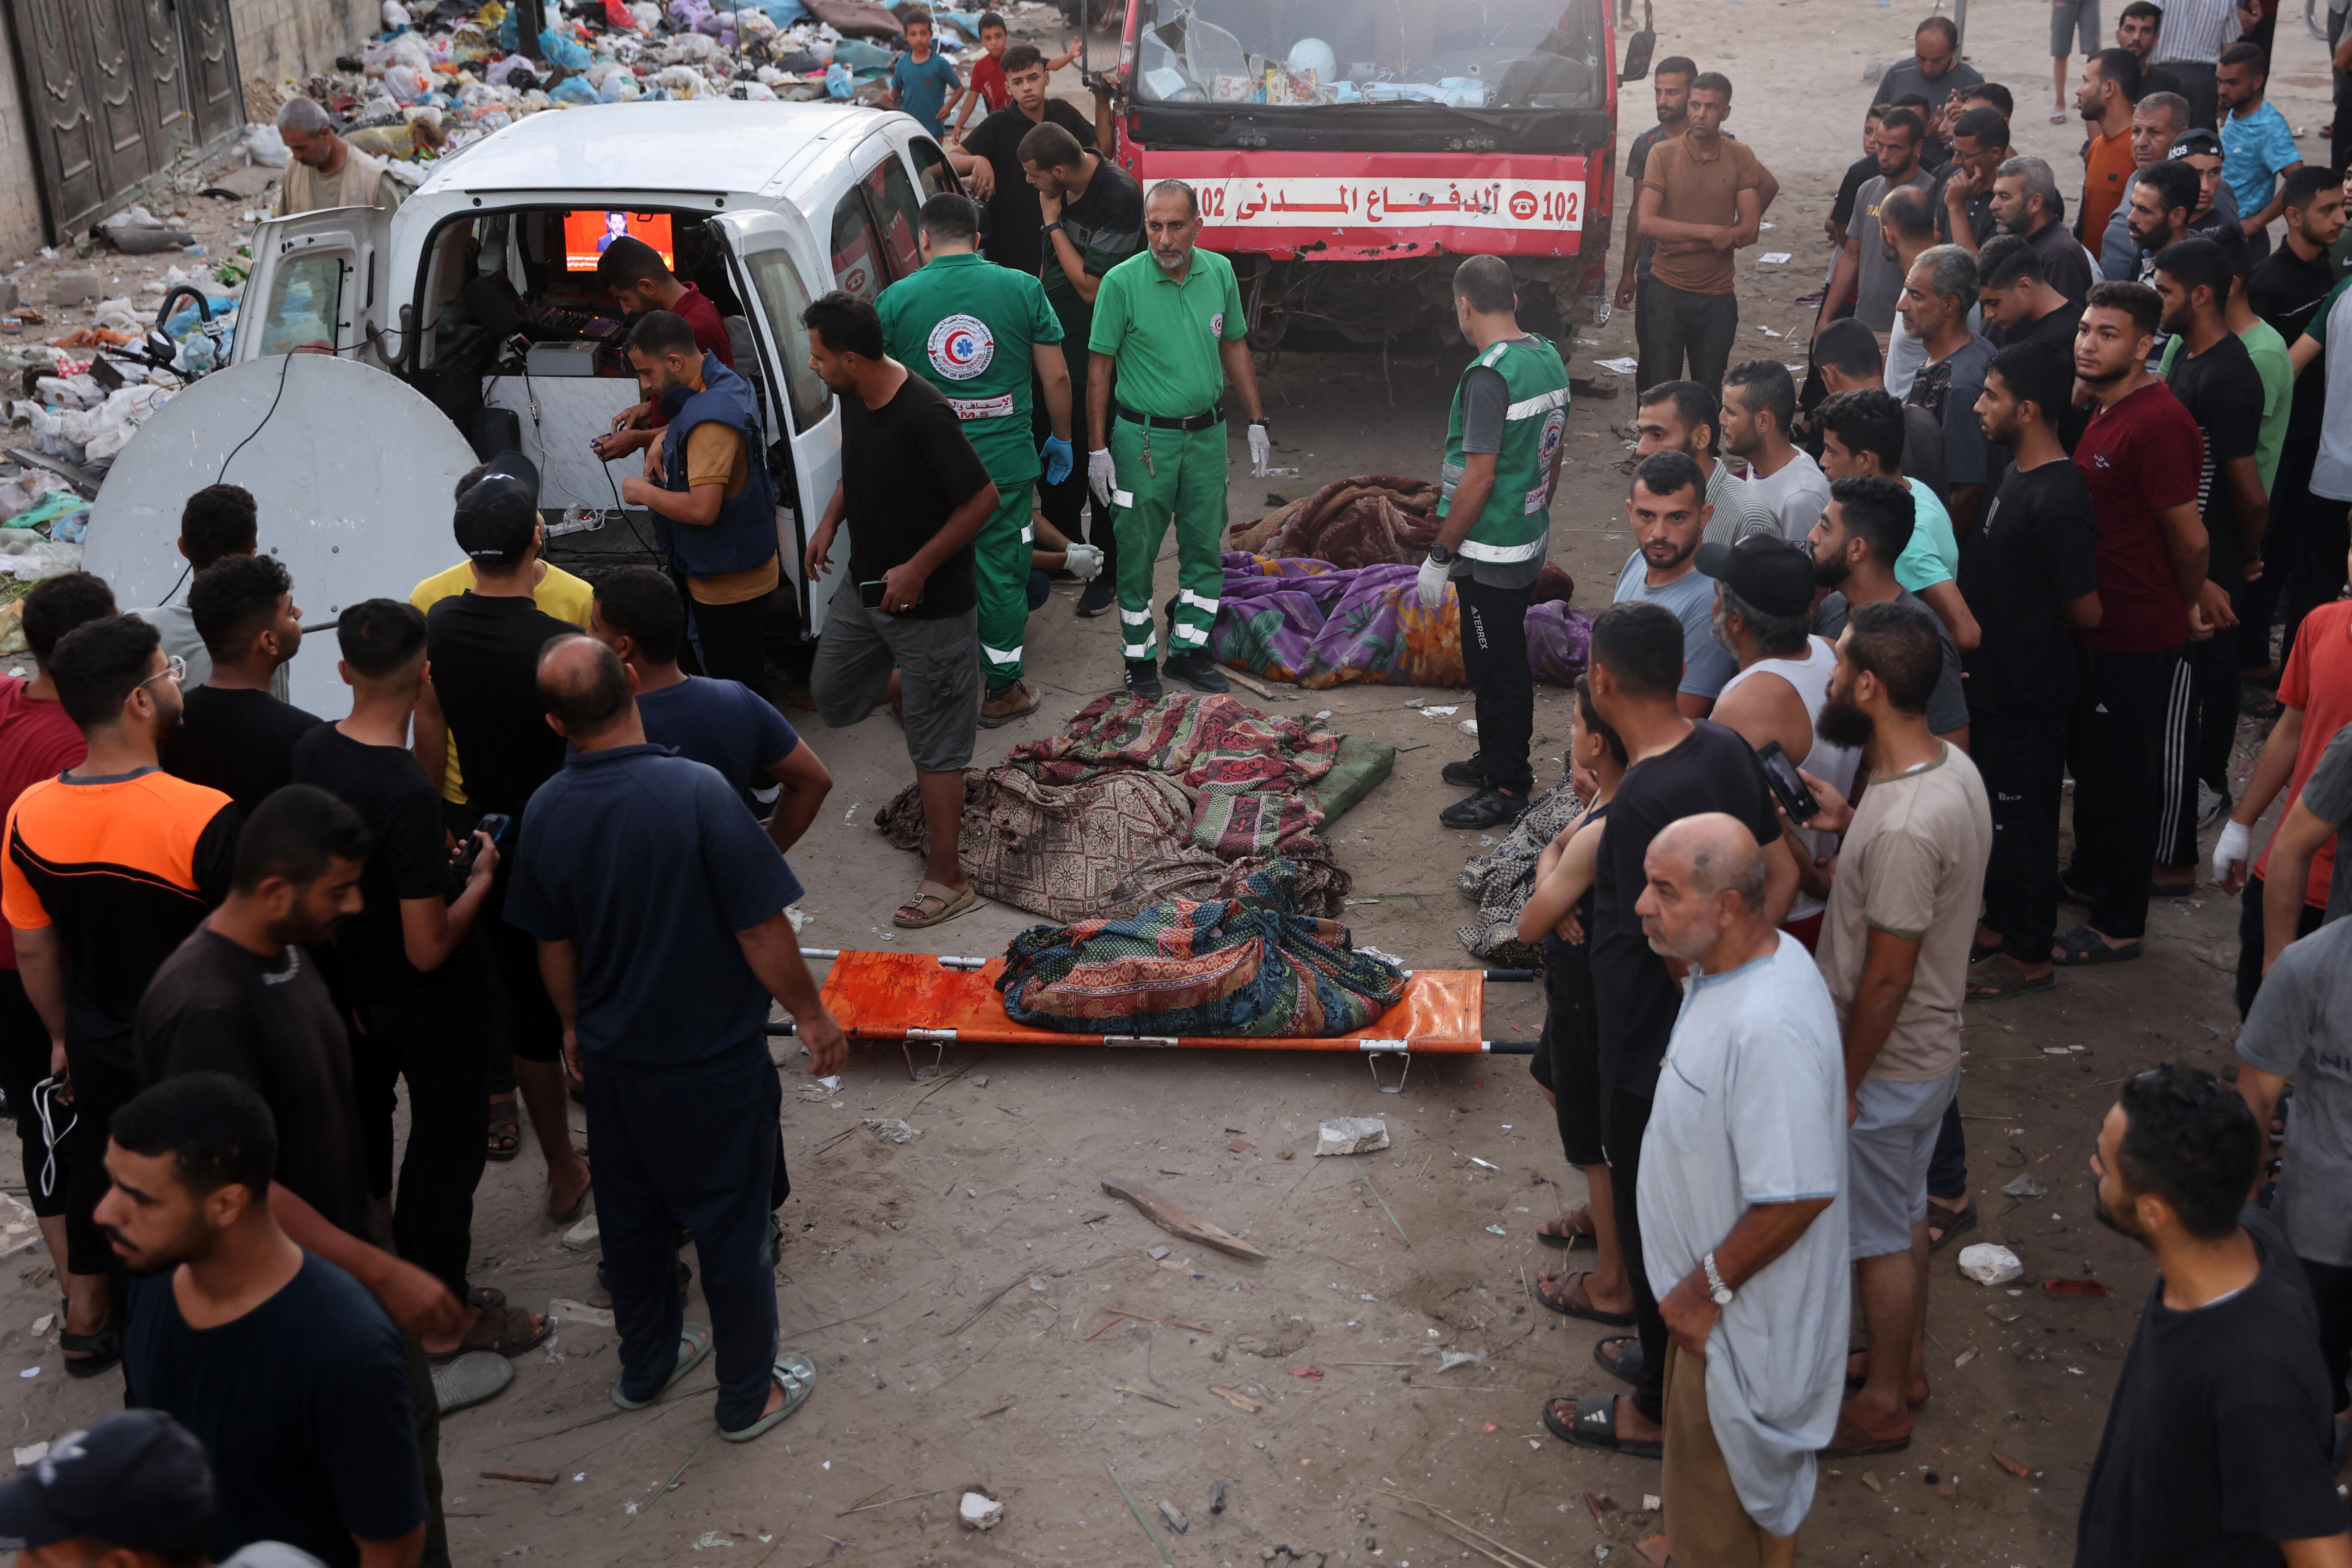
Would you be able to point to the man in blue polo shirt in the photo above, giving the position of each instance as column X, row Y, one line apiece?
column 658, row 906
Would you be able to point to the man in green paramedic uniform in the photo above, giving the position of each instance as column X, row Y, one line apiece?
column 1502, row 454
column 1169, row 323
column 975, row 330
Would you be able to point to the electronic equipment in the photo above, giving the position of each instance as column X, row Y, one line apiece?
column 494, row 824
column 572, row 358
column 1782, row 775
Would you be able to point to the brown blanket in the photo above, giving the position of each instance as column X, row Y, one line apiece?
column 1371, row 520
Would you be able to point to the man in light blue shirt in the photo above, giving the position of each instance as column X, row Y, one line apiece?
column 2257, row 147
column 1669, row 513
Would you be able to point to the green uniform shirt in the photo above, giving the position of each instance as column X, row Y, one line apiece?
column 1164, row 335
column 966, row 325
column 2268, row 351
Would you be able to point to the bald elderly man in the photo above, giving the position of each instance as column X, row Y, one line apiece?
column 1746, row 1219
column 658, row 906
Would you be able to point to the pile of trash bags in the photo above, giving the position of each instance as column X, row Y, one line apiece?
column 443, row 76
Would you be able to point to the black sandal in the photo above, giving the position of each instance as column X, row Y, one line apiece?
column 1595, row 1426
column 102, row 1351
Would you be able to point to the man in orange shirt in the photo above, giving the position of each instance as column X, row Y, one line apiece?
column 2110, row 85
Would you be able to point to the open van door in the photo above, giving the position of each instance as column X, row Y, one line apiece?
column 319, row 283
column 778, row 269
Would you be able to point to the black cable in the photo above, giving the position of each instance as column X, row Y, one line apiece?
column 282, row 370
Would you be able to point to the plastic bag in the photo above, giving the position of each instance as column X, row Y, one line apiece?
column 38, row 559
column 838, row 85
column 574, row 89
column 562, row 49
column 263, row 146
column 395, row 16
column 752, row 90
column 684, row 81
column 620, row 87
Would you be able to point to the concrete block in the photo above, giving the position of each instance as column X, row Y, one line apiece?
column 74, row 286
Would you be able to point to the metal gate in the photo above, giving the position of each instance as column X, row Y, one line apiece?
column 115, row 88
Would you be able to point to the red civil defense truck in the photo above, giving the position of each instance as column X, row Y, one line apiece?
column 1349, row 152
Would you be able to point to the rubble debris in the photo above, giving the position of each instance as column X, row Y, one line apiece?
column 1351, row 1135
column 979, row 1509
column 1177, row 1221
column 1989, row 1263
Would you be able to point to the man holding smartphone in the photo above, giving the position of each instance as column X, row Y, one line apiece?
column 904, row 627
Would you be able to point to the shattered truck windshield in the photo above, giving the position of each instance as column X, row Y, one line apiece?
column 1465, row 54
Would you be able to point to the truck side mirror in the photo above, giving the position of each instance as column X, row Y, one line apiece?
column 1639, row 47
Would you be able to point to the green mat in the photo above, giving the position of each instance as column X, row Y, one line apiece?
column 1361, row 766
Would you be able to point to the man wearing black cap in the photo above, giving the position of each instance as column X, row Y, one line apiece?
column 1763, row 618
column 132, row 1485
column 483, row 649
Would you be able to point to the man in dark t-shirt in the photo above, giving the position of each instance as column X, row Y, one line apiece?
column 2215, row 379
column 990, row 160
column 233, row 736
column 1093, row 211
column 2219, row 1437
column 902, row 623
column 2031, row 572
column 293, row 1377
column 483, row 649
column 411, row 970
column 1681, row 767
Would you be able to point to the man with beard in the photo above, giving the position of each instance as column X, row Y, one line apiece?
column 281, row 1365
column 1094, row 220
column 1895, row 955
column 2215, row 380
column 1668, row 509
column 2033, row 568
column 1170, row 325
column 1936, row 295
column 1861, row 533
column 2025, row 200
column 2158, row 215
column 714, row 506
column 109, row 865
column 1979, row 147
column 242, row 997
column 2219, row 1444
column 1670, row 81
column 1683, row 416
column 1865, row 261
column 2142, row 454
column 903, row 623
column 2136, row 30
column 2110, row 86
column 1759, row 403
column 2159, row 118
column 1701, row 198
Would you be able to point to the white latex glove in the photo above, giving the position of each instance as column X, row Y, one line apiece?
column 2229, row 853
column 1430, row 585
column 1102, row 474
column 1261, row 450
column 1083, row 562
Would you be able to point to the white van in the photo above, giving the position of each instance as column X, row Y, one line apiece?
column 480, row 292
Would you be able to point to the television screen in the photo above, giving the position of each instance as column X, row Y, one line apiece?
column 588, row 232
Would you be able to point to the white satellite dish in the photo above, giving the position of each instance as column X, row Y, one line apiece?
column 351, row 468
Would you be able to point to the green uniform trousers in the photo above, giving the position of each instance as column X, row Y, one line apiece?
column 1001, row 556
column 1183, row 483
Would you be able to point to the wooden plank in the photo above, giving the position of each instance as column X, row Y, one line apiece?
column 1177, row 1221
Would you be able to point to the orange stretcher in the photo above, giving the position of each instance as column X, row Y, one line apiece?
column 914, row 997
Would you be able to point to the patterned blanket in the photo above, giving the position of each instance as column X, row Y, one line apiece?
column 1501, row 881
column 1319, row 625
column 1248, row 966
column 1135, row 804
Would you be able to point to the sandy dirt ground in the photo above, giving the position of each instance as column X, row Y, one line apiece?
column 956, row 1290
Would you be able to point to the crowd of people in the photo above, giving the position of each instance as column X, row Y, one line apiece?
column 2032, row 514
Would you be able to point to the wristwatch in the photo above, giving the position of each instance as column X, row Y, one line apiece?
column 1263, row 424
column 1053, row 227
column 1440, row 556
column 1716, row 1287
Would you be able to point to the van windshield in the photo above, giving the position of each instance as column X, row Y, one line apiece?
column 1467, row 54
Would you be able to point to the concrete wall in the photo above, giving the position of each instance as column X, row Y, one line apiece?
column 278, row 38
column 275, row 39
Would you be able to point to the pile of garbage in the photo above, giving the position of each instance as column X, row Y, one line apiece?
column 443, row 76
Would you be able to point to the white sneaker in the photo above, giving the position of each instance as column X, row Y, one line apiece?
column 2212, row 805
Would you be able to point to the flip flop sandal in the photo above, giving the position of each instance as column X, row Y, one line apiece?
column 946, row 903
column 499, row 1332
column 1628, row 1363
column 1567, row 1308
column 693, row 1344
column 2010, row 980
column 1858, row 1445
column 2082, row 948
column 572, row 1216
column 1959, row 1224
column 796, row 1375
column 1595, row 1426
column 470, row 1379
column 505, row 1130
column 1549, row 1238
column 104, row 1351
column 485, row 1296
